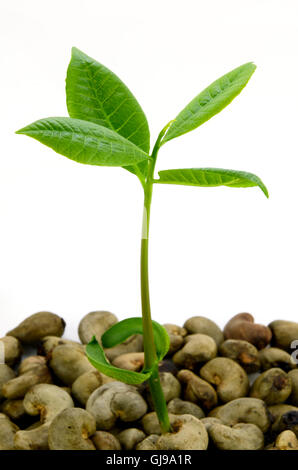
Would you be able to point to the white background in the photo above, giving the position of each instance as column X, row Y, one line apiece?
column 70, row 233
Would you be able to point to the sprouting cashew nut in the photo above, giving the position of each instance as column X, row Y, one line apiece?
column 183, row 407
column 284, row 333
column 241, row 436
column 130, row 437
column 35, row 327
column 12, row 350
column 33, row 370
column 85, row 384
column 170, row 386
column 176, row 335
column 197, row 390
column 104, row 440
column 188, row 434
column 48, row 401
column 6, row 374
column 273, row 386
column 115, row 400
column 150, row 423
column 243, row 410
column 70, row 430
column 7, row 432
column 95, row 324
column 130, row 361
column 242, row 326
column 275, row 357
column 198, row 348
column 204, row 326
column 243, row 352
column 229, row 377
column 68, row 363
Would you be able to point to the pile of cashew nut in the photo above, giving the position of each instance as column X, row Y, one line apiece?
column 235, row 389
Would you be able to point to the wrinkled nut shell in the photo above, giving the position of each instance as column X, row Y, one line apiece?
column 242, row 326
column 34, row 328
column 71, row 429
column 204, row 326
column 230, row 379
column 273, row 386
column 95, row 324
column 243, row 352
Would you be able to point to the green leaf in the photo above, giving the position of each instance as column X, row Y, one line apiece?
column 211, row 177
column 210, row 101
column 131, row 326
column 97, row 358
column 94, row 93
column 84, row 142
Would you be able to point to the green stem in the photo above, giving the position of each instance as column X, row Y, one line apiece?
column 151, row 361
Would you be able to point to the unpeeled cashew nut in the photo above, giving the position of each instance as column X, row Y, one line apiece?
column 182, row 407
column 243, row 352
column 243, row 410
column 229, row 377
column 197, row 390
column 176, row 335
column 35, row 327
column 170, row 386
column 198, row 348
column 242, row 326
column 12, row 350
column 284, row 333
column 104, row 440
column 273, row 386
column 7, row 432
column 95, row 324
column 70, row 430
column 130, row 437
column 241, row 436
column 204, row 326
column 6, row 374
column 130, row 361
column 188, row 434
column 69, row 362
column 85, row 384
column 48, row 401
column 293, row 398
column 115, row 400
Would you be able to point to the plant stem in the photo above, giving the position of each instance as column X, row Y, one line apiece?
column 151, row 361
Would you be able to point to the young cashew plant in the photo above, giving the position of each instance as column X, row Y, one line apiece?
column 107, row 127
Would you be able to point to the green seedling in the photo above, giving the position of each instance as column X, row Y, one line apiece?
column 107, row 127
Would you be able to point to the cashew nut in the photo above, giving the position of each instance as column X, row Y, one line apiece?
column 95, row 324
column 273, row 386
column 242, row 326
column 230, row 379
column 130, row 437
column 85, row 384
column 188, row 434
column 198, row 348
column 243, row 352
column 241, row 436
column 115, row 400
column 275, row 357
column 293, row 398
column 104, row 440
column 182, row 407
column 197, row 390
column 34, row 328
column 68, row 363
column 176, row 335
column 130, row 361
column 12, row 350
column 204, row 326
column 284, row 333
column 7, row 433
column 71, row 429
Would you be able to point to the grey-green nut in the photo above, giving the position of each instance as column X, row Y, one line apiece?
column 37, row 326
column 243, row 352
column 71, row 430
column 293, row 398
column 273, row 386
column 95, row 324
column 198, row 348
column 276, row 357
column 181, row 407
column 129, row 438
column 244, row 410
column 204, row 326
column 12, row 350
column 230, row 378
column 197, row 390
column 176, row 335
column 284, row 334
column 115, row 400
column 242, row 436
column 188, row 433
column 7, row 432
